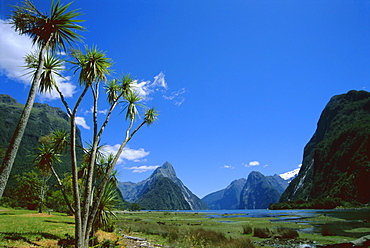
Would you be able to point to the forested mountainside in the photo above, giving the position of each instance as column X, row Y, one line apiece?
column 336, row 161
column 43, row 120
column 144, row 190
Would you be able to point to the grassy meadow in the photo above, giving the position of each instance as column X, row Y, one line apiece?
column 24, row 228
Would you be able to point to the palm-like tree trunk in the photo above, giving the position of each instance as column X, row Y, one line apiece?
column 107, row 175
column 79, row 235
column 90, row 170
column 11, row 153
column 63, row 191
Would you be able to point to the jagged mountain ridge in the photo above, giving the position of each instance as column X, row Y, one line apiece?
column 132, row 192
column 255, row 192
column 260, row 191
column 336, row 160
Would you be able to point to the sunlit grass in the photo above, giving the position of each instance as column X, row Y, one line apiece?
column 24, row 228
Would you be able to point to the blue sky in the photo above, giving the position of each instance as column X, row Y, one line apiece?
column 239, row 84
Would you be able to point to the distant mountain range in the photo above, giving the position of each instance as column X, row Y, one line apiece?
column 162, row 190
column 228, row 198
column 255, row 192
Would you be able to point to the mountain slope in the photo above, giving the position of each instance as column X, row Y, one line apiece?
column 163, row 194
column 228, row 198
column 42, row 121
column 260, row 191
column 134, row 191
column 336, row 161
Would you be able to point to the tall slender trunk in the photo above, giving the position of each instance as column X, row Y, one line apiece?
column 75, row 186
column 79, row 235
column 11, row 153
column 43, row 190
column 90, row 170
column 89, row 219
column 63, row 191
column 103, row 183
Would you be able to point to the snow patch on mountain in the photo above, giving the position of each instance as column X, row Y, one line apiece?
column 290, row 174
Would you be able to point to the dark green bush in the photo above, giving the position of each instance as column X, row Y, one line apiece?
column 247, row 229
column 262, row 232
column 287, row 233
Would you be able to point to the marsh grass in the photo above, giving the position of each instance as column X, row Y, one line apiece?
column 184, row 236
column 279, row 232
column 176, row 228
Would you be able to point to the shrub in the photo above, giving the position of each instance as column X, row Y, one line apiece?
column 247, row 229
column 287, row 233
column 262, row 232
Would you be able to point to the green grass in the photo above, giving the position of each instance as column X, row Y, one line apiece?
column 24, row 228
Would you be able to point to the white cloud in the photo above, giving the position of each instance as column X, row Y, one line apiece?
column 176, row 96
column 104, row 111
column 127, row 153
column 143, row 89
column 141, row 169
column 13, row 48
column 227, row 167
column 80, row 121
column 146, row 89
column 67, row 88
column 251, row 164
column 159, row 81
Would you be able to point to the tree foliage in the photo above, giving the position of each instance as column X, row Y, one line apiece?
column 94, row 188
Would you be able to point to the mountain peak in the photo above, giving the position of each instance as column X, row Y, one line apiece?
column 166, row 170
column 7, row 99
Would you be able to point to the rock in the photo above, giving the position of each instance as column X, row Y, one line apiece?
column 362, row 242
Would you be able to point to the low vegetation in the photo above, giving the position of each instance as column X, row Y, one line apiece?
column 25, row 228
column 184, row 229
